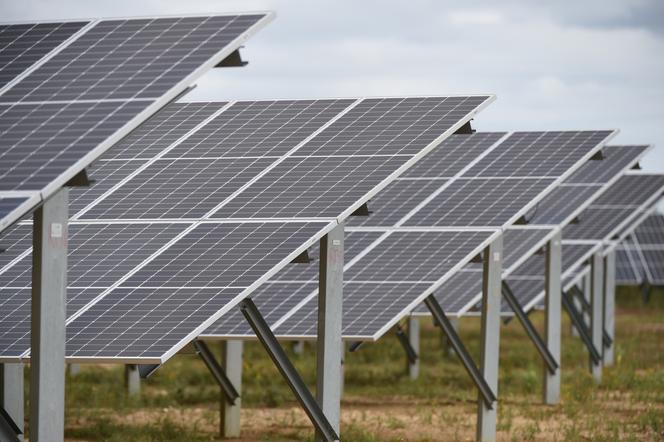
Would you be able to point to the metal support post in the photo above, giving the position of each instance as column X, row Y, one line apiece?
column 342, row 380
column 489, row 349
column 298, row 347
column 328, row 345
column 414, row 341
column 550, row 362
column 597, row 312
column 49, row 288
column 11, row 400
column 552, row 318
column 609, row 306
column 485, row 391
column 231, row 364
column 285, row 367
column 217, row 372
column 132, row 380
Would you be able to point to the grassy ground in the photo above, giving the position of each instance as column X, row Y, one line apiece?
column 180, row 402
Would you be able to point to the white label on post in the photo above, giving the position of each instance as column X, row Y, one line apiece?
column 56, row 230
column 496, row 256
column 336, row 242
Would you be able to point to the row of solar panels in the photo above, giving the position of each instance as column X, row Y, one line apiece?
column 640, row 257
column 205, row 203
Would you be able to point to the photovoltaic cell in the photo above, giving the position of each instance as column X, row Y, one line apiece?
column 517, row 242
column 42, row 141
column 651, row 231
column 178, row 188
column 561, row 203
column 224, row 255
column 98, row 255
column 310, row 187
column 538, row 153
column 391, row 126
column 9, row 204
column 396, row 201
column 259, row 128
column 453, row 155
column 535, row 265
column 631, row 190
column 129, row 59
column 615, row 160
column 163, row 129
column 23, row 45
column 143, row 322
column 596, row 223
column 480, row 202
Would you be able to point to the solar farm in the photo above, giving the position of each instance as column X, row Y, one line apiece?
column 148, row 233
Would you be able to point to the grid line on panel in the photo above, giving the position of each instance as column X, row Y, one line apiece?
column 615, row 160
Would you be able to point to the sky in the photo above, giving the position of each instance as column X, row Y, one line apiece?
column 596, row 65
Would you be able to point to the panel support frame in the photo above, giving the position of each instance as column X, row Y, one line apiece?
column 48, row 316
column 227, row 387
column 597, row 312
column 553, row 318
column 609, row 327
column 11, row 401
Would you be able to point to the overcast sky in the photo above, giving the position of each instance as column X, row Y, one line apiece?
column 592, row 64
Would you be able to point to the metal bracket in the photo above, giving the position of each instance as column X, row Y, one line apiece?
column 466, row 129
column 147, row 370
column 234, row 60
column 436, row 310
column 302, row 258
column 9, row 431
column 531, row 331
column 363, row 210
column 80, row 180
column 290, row 374
column 580, row 326
column 411, row 354
column 598, row 156
column 217, row 372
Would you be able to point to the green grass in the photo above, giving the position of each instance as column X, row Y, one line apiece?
column 628, row 405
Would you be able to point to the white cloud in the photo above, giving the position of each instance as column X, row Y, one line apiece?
column 475, row 17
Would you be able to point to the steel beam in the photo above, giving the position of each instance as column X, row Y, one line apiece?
column 489, row 349
column 289, row 373
column 227, row 387
column 414, row 345
column 597, row 311
column 9, row 431
column 552, row 318
column 49, row 294
column 329, row 343
column 609, row 306
column 11, row 399
column 585, row 307
column 550, row 362
column 132, row 379
column 486, row 393
column 231, row 364
column 577, row 319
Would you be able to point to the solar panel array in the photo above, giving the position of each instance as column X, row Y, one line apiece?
column 609, row 218
column 416, row 251
column 69, row 91
column 640, row 257
column 463, row 294
column 182, row 222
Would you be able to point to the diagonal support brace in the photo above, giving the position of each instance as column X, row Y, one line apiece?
column 580, row 325
column 531, row 331
column 606, row 339
column 437, row 312
column 411, row 354
column 9, row 431
column 290, row 374
column 217, row 372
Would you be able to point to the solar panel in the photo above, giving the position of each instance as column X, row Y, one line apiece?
column 651, row 231
column 416, row 257
column 77, row 88
column 23, row 45
column 640, row 256
column 10, row 204
column 215, row 248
